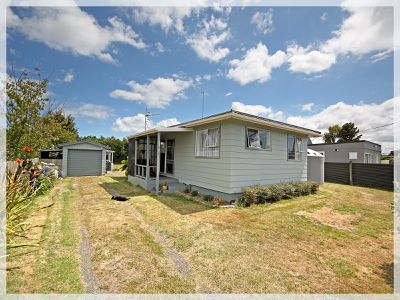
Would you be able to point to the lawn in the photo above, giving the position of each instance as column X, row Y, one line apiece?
column 337, row 241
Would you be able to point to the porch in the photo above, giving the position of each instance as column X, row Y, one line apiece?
column 153, row 163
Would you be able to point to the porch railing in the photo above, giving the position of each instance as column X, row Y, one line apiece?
column 140, row 171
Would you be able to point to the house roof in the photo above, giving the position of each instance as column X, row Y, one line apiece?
column 233, row 114
column 85, row 142
column 350, row 142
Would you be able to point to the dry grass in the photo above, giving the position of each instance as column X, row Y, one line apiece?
column 262, row 249
column 327, row 216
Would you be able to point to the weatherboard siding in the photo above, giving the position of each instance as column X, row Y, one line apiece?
column 210, row 173
column 237, row 166
column 250, row 166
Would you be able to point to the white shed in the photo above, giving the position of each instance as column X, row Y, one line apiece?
column 85, row 158
column 315, row 166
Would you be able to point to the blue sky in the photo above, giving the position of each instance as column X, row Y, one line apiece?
column 311, row 66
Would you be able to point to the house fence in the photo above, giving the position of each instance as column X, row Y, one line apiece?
column 372, row 175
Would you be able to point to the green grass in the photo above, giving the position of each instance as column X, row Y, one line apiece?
column 59, row 270
column 268, row 248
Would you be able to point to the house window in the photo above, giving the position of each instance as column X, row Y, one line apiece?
column 207, row 143
column 258, row 139
column 293, row 148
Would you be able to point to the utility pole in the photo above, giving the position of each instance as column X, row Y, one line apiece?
column 202, row 106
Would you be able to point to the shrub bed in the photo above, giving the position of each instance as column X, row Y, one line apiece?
column 271, row 193
column 22, row 186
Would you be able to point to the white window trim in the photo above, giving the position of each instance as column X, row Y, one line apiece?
column 300, row 151
column 217, row 146
column 247, row 145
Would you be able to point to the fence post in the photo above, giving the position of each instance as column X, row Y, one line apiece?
column 351, row 172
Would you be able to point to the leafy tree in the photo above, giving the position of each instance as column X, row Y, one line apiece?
column 349, row 132
column 26, row 98
column 333, row 134
column 30, row 121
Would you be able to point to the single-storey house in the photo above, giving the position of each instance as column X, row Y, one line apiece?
column 219, row 155
column 356, row 151
column 86, row 158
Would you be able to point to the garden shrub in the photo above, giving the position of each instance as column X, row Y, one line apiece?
column 208, row 198
column 218, row 201
column 195, row 193
column 22, row 186
column 271, row 193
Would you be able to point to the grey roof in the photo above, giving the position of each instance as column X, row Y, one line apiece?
column 85, row 142
column 349, row 142
column 247, row 115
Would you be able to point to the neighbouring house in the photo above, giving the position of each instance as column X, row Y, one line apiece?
column 85, row 158
column 356, row 151
column 219, row 155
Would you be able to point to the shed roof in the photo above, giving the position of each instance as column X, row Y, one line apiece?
column 85, row 142
column 349, row 142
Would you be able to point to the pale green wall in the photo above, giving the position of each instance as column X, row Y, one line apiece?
column 237, row 166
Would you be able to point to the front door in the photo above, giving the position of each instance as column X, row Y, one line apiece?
column 167, row 157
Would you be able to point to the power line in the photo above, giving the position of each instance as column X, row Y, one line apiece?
column 385, row 125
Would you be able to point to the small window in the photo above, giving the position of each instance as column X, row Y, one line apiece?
column 207, row 143
column 367, row 158
column 258, row 139
column 293, row 148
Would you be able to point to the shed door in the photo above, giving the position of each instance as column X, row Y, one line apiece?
column 84, row 162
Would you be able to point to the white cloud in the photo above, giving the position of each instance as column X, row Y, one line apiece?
column 365, row 30
column 256, row 65
column 165, row 17
column 158, row 92
column 207, row 77
column 206, row 42
column 263, row 21
column 258, row 110
column 94, row 111
column 69, row 76
column 324, row 17
column 167, row 122
column 380, row 56
column 160, row 48
column 305, row 61
column 72, row 30
column 307, row 106
column 134, row 124
column 228, row 94
column 364, row 116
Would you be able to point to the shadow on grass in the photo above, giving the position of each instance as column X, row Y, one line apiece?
column 388, row 273
column 121, row 187
column 181, row 205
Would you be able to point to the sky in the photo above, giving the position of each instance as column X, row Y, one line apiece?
column 309, row 66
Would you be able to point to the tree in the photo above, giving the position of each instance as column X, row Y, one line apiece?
column 30, row 120
column 26, row 98
column 349, row 132
column 333, row 134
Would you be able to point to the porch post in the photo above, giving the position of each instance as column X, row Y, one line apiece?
column 134, row 168
column 148, row 160
column 158, row 163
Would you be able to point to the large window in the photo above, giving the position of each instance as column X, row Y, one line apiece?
column 293, row 148
column 258, row 139
column 207, row 143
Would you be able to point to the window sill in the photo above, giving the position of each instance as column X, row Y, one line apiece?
column 258, row 149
